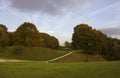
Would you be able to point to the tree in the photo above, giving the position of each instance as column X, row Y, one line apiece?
column 49, row 41
column 80, row 32
column 88, row 39
column 4, row 39
column 94, row 41
column 27, row 35
column 55, row 42
column 11, row 38
column 67, row 44
column 113, row 50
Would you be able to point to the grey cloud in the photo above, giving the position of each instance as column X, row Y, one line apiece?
column 112, row 31
column 46, row 6
column 66, row 3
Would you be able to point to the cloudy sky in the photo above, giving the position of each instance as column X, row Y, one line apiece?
column 59, row 17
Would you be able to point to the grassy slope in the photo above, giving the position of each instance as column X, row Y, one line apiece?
column 80, row 57
column 33, row 53
column 60, row 70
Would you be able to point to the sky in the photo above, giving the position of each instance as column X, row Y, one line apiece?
column 59, row 17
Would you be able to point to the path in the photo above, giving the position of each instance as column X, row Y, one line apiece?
column 11, row 60
column 60, row 57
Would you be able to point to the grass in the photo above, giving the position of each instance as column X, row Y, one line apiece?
column 30, row 53
column 60, row 70
column 78, row 56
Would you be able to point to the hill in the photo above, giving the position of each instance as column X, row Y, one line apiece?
column 58, row 70
column 30, row 53
column 80, row 57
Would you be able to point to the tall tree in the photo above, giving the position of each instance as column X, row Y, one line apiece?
column 88, row 39
column 81, row 36
column 27, row 35
column 4, row 39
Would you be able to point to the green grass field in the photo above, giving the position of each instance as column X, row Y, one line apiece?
column 60, row 70
column 30, row 53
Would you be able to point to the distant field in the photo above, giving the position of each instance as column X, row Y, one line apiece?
column 80, row 57
column 60, row 70
column 30, row 53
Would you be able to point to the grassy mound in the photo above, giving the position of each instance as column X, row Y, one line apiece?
column 30, row 53
column 80, row 57
column 60, row 70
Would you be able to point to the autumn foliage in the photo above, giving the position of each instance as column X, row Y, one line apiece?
column 93, row 41
column 84, row 38
column 26, row 35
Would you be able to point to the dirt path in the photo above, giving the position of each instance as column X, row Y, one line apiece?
column 60, row 57
column 11, row 60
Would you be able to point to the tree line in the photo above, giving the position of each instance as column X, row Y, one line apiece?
column 26, row 35
column 84, row 38
column 93, row 41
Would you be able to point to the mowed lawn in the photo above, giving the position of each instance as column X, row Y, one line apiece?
column 60, row 70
